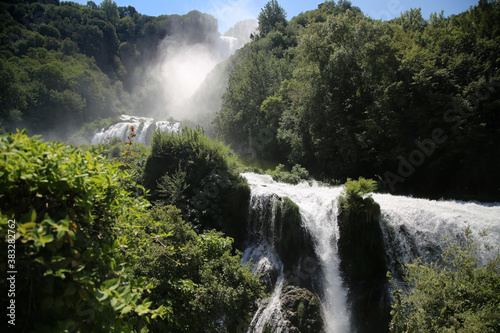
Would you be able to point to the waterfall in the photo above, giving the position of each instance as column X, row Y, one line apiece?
column 226, row 46
column 143, row 128
column 410, row 227
column 318, row 210
column 414, row 228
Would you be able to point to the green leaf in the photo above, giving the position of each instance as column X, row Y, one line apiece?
column 112, row 284
column 46, row 239
column 126, row 310
column 100, row 295
column 25, row 227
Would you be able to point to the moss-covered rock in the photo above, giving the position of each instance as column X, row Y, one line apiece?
column 360, row 243
column 301, row 310
column 363, row 263
column 288, row 225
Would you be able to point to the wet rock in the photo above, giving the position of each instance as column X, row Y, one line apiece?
column 301, row 311
column 363, row 266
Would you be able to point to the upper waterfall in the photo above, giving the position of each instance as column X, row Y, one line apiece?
column 226, row 46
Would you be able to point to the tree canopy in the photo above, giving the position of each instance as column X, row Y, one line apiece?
column 272, row 17
column 409, row 101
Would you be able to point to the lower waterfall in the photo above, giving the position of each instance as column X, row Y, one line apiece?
column 411, row 228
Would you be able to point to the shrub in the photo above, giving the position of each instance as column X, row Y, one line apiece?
column 294, row 177
column 197, row 276
column 70, row 211
column 458, row 295
column 197, row 174
column 352, row 198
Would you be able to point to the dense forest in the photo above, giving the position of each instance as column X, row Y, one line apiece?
column 413, row 101
column 126, row 237
column 63, row 64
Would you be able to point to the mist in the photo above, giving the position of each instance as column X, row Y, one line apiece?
column 181, row 70
column 175, row 82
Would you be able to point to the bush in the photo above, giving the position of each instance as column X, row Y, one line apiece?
column 352, row 198
column 458, row 295
column 197, row 276
column 197, row 175
column 70, row 211
column 297, row 175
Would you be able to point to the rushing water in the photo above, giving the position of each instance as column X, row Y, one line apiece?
column 226, row 46
column 319, row 216
column 415, row 228
column 143, row 129
column 411, row 228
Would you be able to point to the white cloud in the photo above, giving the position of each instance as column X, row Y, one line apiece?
column 230, row 12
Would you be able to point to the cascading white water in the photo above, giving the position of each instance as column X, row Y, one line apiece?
column 411, row 228
column 264, row 255
column 143, row 129
column 317, row 206
column 226, row 46
column 415, row 228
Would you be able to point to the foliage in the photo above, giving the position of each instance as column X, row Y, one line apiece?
column 127, row 154
column 173, row 187
column 272, row 17
column 358, row 188
column 354, row 192
column 342, row 94
column 297, row 174
column 68, row 209
column 197, row 175
column 207, row 287
column 458, row 295
column 91, row 256
column 249, row 117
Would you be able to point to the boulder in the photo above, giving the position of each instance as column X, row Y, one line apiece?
column 302, row 309
column 301, row 312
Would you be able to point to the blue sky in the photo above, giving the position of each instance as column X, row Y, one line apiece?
column 228, row 12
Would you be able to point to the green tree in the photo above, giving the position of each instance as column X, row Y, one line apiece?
column 252, row 107
column 110, row 9
column 271, row 17
column 200, row 172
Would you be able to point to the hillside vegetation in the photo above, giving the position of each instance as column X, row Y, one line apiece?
column 91, row 254
column 412, row 101
column 63, row 64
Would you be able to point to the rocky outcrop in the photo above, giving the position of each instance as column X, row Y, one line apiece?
column 300, row 312
column 275, row 223
column 363, row 265
column 302, row 309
